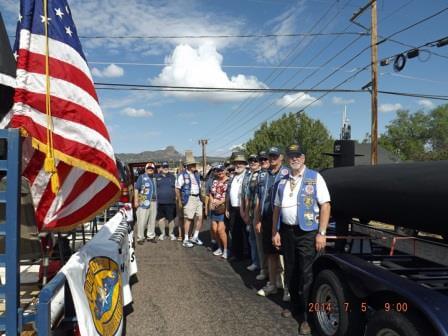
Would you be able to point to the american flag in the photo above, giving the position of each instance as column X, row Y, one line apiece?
column 83, row 154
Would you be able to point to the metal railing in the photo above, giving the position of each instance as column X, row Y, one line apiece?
column 10, row 163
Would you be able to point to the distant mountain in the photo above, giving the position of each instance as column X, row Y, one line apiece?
column 169, row 154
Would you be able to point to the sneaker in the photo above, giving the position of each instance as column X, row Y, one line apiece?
column 286, row 295
column 225, row 255
column 252, row 267
column 304, row 329
column 141, row 241
column 162, row 237
column 152, row 240
column 172, row 237
column 261, row 276
column 187, row 243
column 267, row 290
column 197, row 241
column 217, row 252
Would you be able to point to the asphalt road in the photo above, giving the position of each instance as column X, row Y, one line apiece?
column 185, row 292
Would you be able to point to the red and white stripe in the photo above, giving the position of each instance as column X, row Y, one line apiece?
column 79, row 133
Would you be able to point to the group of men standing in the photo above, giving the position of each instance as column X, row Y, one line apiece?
column 281, row 213
column 159, row 197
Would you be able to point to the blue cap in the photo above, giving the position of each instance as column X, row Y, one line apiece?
column 274, row 151
column 165, row 164
column 262, row 155
column 219, row 167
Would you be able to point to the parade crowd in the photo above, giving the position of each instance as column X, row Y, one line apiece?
column 268, row 207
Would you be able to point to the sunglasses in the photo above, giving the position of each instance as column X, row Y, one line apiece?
column 274, row 156
column 253, row 160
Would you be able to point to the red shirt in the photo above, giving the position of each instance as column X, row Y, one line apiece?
column 218, row 190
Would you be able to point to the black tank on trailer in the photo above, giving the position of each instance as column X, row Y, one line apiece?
column 411, row 195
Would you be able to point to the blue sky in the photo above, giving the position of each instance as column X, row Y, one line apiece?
column 149, row 120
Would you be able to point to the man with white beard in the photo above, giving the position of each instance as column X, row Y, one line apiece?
column 299, row 224
column 234, row 209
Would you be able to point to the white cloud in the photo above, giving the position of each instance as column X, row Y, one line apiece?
column 201, row 67
column 298, row 100
column 112, row 70
column 342, row 101
column 426, row 103
column 237, row 147
column 390, row 107
column 194, row 123
column 136, row 113
column 151, row 18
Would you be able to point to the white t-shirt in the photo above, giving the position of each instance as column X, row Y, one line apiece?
column 194, row 184
column 235, row 190
column 289, row 203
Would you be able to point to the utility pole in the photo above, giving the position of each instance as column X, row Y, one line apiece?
column 203, row 143
column 374, row 96
column 374, row 82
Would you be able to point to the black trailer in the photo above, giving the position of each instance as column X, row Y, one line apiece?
column 367, row 283
column 367, row 290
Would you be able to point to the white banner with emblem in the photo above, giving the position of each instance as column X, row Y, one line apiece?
column 98, row 276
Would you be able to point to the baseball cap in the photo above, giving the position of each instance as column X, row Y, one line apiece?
column 294, row 149
column 219, row 167
column 165, row 164
column 252, row 157
column 274, row 151
column 262, row 155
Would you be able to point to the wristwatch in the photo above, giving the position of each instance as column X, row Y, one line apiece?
column 322, row 232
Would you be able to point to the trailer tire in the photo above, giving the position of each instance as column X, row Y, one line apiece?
column 333, row 318
column 391, row 323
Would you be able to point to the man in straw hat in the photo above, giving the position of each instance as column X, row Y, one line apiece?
column 188, row 189
column 234, row 209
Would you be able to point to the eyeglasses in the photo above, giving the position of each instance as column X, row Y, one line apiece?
column 253, row 161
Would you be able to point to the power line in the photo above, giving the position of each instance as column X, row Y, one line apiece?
column 230, row 126
column 379, row 42
column 252, row 66
column 274, row 101
column 427, row 44
column 413, row 25
column 163, row 37
column 302, row 108
column 241, row 106
column 202, row 89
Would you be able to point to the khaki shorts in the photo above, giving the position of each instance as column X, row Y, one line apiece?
column 193, row 207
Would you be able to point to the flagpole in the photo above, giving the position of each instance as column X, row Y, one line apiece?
column 49, row 163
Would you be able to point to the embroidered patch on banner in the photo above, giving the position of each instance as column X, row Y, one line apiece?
column 103, row 291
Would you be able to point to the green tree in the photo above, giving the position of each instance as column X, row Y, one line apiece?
column 309, row 133
column 418, row 136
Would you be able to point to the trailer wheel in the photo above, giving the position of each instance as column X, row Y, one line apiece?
column 391, row 323
column 336, row 314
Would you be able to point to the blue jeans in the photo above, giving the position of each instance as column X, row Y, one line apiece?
column 253, row 246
